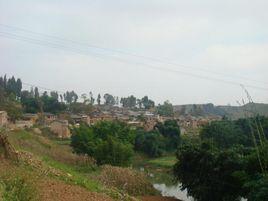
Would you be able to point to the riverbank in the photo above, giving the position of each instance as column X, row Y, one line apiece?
column 160, row 173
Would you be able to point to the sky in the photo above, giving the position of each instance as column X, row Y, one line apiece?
column 184, row 51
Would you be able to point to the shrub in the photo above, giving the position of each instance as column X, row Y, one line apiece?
column 150, row 143
column 107, row 142
column 127, row 180
column 18, row 187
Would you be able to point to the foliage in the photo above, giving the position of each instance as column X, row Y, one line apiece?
column 9, row 103
column 51, row 104
column 18, row 186
column 11, row 85
column 109, row 99
column 230, row 162
column 151, row 143
column 133, row 182
column 208, row 174
column 171, row 131
column 70, row 97
column 224, row 133
column 227, row 133
column 164, row 138
column 129, row 102
column 147, row 103
column 259, row 189
column 107, row 142
column 99, row 99
column 166, row 109
column 113, row 152
column 165, row 161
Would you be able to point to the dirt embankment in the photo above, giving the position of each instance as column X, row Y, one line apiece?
column 59, row 191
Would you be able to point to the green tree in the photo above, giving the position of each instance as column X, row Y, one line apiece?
column 209, row 174
column 99, row 99
column 166, row 109
column 108, row 142
column 151, row 143
column 171, row 131
column 223, row 134
column 129, row 102
column 109, row 99
column 147, row 103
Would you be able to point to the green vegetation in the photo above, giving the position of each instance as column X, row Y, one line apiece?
column 107, row 142
column 164, row 138
column 150, row 143
column 16, row 184
column 166, row 109
column 132, row 182
column 78, row 175
column 228, row 162
column 165, row 161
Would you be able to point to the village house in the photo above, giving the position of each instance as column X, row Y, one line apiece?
column 30, row 117
column 3, row 118
column 60, row 128
column 49, row 117
column 80, row 119
column 101, row 116
column 22, row 124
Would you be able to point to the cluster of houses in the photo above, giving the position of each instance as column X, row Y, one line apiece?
column 60, row 124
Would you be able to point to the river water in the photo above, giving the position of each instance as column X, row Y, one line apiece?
column 176, row 192
column 173, row 191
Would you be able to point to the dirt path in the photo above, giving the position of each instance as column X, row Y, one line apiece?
column 51, row 190
column 157, row 198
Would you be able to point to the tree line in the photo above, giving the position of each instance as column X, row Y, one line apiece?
column 114, row 142
column 33, row 101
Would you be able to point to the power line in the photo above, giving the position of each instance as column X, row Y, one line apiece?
column 160, row 60
column 65, row 47
column 41, row 87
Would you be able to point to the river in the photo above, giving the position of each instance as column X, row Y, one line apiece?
column 173, row 191
column 176, row 192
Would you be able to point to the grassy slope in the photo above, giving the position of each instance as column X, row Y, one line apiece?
column 56, row 154
column 161, row 167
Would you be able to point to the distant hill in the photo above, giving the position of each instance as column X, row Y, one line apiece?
column 233, row 112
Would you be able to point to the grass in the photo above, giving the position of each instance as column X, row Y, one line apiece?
column 133, row 182
column 166, row 161
column 58, row 155
column 159, row 170
column 76, row 177
column 17, row 183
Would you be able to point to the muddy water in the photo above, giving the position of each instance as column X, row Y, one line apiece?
column 173, row 191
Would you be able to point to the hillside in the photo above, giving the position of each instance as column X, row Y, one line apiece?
column 233, row 112
column 38, row 167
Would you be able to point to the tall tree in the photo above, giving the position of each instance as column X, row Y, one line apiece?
column 147, row 103
column 99, row 99
column 54, row 94
column 36, row 93
column 166, row 109
column 92, row 100
column 109, row 99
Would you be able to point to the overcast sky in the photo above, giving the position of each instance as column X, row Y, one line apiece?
column 210, row 41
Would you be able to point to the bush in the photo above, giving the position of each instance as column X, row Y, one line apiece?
column 113, row 152
column 151, row 143
column 259, row 189
column 127, row 180
column 171, row 131
column 107, row 142
column 209, row 174
column 18, row 187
